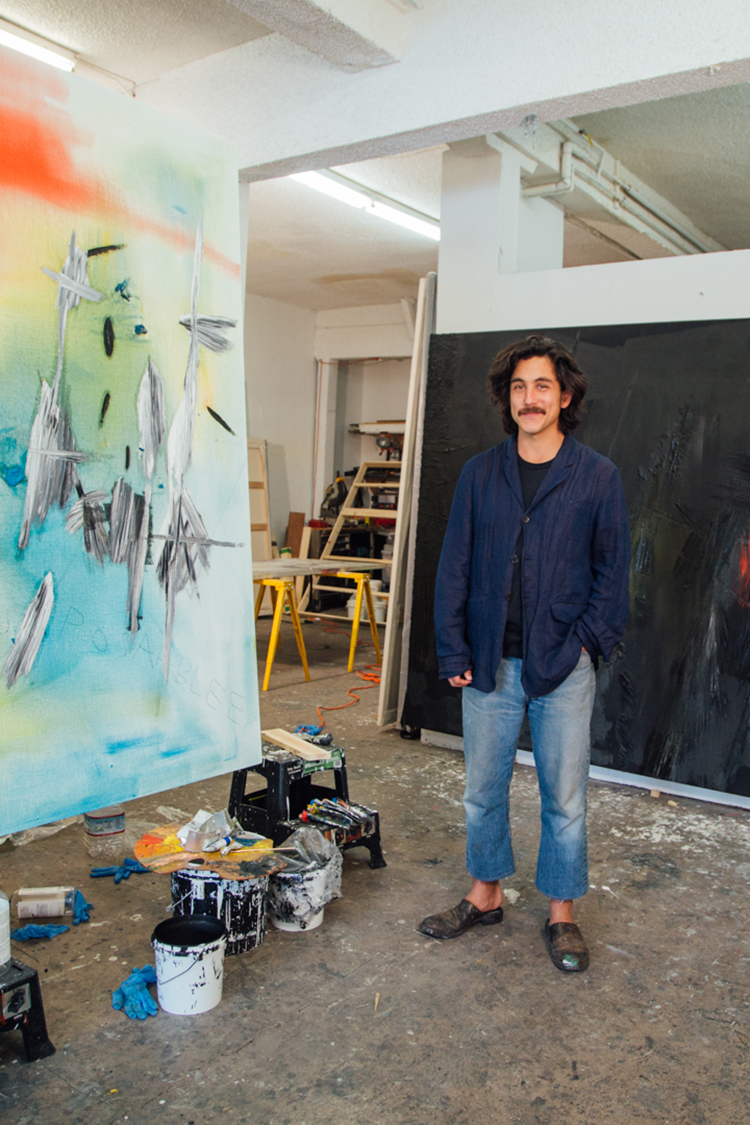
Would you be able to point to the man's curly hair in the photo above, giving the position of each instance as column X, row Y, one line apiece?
column 569, row 376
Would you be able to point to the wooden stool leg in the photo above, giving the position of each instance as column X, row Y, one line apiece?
column 277, row 612
column 371, row 615
column 289, row 587
column 355, row 624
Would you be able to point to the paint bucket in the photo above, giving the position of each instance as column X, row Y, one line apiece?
column 239, row 903
column 296, row 900
column 189, row 958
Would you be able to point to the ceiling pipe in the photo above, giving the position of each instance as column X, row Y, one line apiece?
column 594, row 171
column 565, row 184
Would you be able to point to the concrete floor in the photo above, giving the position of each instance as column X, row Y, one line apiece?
column 365, row 1022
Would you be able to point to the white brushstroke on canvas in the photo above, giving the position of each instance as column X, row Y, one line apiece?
column 29, row 637
column 177, row 565
column 151, row 427
column 88, row 514
column 51, row 459
column 211, row 331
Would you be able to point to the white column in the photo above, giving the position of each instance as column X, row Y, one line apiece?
column 488, row 230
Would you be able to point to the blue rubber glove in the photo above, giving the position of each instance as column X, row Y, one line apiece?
column 134, row 996
column 129, row 867
column 81, row 908
column 32, row 931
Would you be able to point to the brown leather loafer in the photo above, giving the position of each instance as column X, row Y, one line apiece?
column 456, row 921
column 566, row 946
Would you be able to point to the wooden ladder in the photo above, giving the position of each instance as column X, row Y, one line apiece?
column 351, row 510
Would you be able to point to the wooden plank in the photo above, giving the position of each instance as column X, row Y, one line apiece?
column 294, row 528
column 295, row 745
column 396, row 644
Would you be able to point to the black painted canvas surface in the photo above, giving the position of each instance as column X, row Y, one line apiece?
column 670, row 405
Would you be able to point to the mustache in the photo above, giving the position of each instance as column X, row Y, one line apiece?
column 531, row 410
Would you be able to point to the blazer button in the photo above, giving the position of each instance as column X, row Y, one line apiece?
column 508, row 597
column 525, row 519
column 514, row 559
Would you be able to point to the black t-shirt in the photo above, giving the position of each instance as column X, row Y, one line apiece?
column 531, row 477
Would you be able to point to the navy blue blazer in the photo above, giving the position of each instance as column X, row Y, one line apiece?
column 574, row 570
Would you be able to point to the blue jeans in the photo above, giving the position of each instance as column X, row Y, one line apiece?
column 560, row 730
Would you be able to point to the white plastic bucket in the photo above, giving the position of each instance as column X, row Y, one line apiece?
column 296, row 900
column 189, row 957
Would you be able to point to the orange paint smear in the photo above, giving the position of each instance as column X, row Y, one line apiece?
column 743, row 586
column 181, row 240
column 36, row 158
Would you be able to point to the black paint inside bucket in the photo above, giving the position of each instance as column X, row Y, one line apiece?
column 189, row 931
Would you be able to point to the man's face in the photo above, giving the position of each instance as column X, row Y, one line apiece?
column 536, row 397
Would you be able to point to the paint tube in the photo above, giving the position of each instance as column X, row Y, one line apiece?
column 329, row 814
column 319, row 821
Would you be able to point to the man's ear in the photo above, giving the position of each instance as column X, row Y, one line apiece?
column 565, row 399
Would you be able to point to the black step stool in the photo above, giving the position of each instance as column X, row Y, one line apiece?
column 21, row 1009
column 273, row 811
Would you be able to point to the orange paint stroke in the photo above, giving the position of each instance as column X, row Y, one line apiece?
column 36, row 159
column 743, row 585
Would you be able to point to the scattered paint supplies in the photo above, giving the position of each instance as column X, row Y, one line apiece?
column 339, row 816
column 129, row 867
column 298, row 895
column 44, row 902
column 133, row 995
column 31, row 931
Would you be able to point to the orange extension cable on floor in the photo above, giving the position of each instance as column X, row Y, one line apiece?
column 371, row 675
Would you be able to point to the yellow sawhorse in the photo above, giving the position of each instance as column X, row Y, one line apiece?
column 282, row 589
column 363, row 588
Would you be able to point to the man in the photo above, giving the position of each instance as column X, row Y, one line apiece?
column 532, row 587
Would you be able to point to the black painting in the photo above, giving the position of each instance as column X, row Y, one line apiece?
column 670, row 405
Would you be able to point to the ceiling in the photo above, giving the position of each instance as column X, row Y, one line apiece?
column 138, row 40
column 312, row 251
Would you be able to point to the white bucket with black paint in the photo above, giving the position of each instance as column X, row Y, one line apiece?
column 189, row 958
column 297, row 899
column 239, row 903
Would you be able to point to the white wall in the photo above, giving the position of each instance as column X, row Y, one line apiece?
column 695, row 287
column 369, row 392
column 365, row 332
column 280, row 376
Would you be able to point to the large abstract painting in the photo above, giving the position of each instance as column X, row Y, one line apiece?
column 669, row 404
column 126, row 626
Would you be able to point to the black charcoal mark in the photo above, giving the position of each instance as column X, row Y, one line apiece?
column 105, row 407
column 29, row 637
column 127, row 457
column 109, row 336
column 50, row 463
column 88, row 514
column 151, row 417
column 128, row 534
column 122, row 530
column 205, row 542
column 104, row 250
column 184, row 547
column 211, row 331
column 218, row 418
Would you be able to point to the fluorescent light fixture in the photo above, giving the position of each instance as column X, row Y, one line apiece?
column 29, row 44
column 364, row 199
